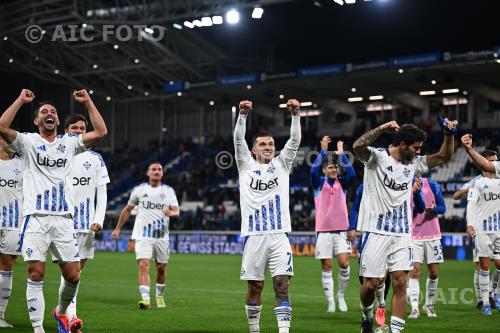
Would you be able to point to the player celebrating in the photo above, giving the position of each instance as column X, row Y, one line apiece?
column 89, row 178
column 334, row 234
column 385, row 214
column 427, row 248
column 265, row 215
column 156, row 203
column 11, row 201
column 483, row 163
column 48, row 201
column 483, row 223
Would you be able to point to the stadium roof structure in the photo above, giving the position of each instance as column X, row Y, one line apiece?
column 272, row 57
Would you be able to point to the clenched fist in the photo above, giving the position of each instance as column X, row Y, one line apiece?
column 245, row 107
column 81, row 96
column 467, row 140
column 293, row 106
column 26, row 96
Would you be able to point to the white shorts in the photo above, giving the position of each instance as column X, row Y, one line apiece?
column 268, row 250
column 85, row 244
column 487, row 245
column 149, row 248
column 428, row 251
column 330, row 244
column 42, row 233
column 9, row 242
column 385, row 252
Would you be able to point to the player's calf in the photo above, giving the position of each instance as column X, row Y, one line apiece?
column 282, row 306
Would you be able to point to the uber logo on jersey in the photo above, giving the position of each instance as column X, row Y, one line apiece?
column 260, row 185
column 8, row 182
column 82, row 181
column 45, row 161
column 491, row 196
column 391, row 183
column 152, row 205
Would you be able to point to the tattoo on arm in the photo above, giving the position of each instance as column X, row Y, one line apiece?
column 361, row 144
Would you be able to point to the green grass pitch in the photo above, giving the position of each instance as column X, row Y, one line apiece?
column 204, row 294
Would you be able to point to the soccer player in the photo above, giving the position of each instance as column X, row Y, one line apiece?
column 156, row 203
column 89, row 179
column 11, row 202
column 483, row 223
column 265, row 215
column 492, row 167
column 334, row 234
column 385, row 215
column 47, row 160
column 427, row 248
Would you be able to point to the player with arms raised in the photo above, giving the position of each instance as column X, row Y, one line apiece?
column 265, row 215
column 48, row 199
column 385, row 212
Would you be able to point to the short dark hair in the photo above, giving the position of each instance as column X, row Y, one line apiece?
column 73, row 118
column 259, row 135
column 487, row 153
column 409, row 134
column 42, row 103
column 155, row 162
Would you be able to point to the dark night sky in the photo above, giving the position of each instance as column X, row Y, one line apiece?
column 300, row 33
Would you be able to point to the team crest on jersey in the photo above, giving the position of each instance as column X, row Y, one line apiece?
column 270, row 169
column 16, row 172
column 406, row 172
column 162, row 196
column 61, row 148
column 42, row 148
column 29, row 252
column 87, row 165
column 257, row 172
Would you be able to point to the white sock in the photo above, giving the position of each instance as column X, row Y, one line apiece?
column 484, row 284
column 253, row 316
column 71, row 311
column 159, row 289
column 5, row 290
column 397, row 324
column 414, row 293
column 476, row 286
column 343, row 279
column 328, row 285
column 367, row 312
column 379, row 295
column 283, row 315
column 36, row 303
column 144, row 291
column 67, row 291
column 430, row 290
column 494, row 285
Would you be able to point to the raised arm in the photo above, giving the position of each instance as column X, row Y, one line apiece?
column 315, row 175
column 7, row 133
column 287, row 155
column 350, row 174
column 446, row 151
column 480, row 161
column 242, row 153
column 90, row 139
column 360, row 146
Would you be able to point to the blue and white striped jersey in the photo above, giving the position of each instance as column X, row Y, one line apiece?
column 151, row 221
column 88, row 173
column 483, row 206
column 46, row 170
column 11, row 194
column 387, row 193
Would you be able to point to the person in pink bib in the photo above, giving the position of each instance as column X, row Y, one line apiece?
column 426, row 236
column 334, row 235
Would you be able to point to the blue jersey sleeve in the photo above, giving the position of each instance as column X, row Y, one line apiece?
column 350, row 174
column 440, row 207
column 418, row 203
column 316, row 173
column 353, row 216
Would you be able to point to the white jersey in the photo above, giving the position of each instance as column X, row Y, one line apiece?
column 265, row 188
column 11, row 193
column 497, row 168
column 151, row 221
column 88, row 173
column 386, row 203
column 483, row 208
column 470, row 184
column 46, row 172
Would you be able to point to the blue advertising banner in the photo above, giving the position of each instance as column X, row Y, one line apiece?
column 321, row 70
column 238, row 79
column 415, row 60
